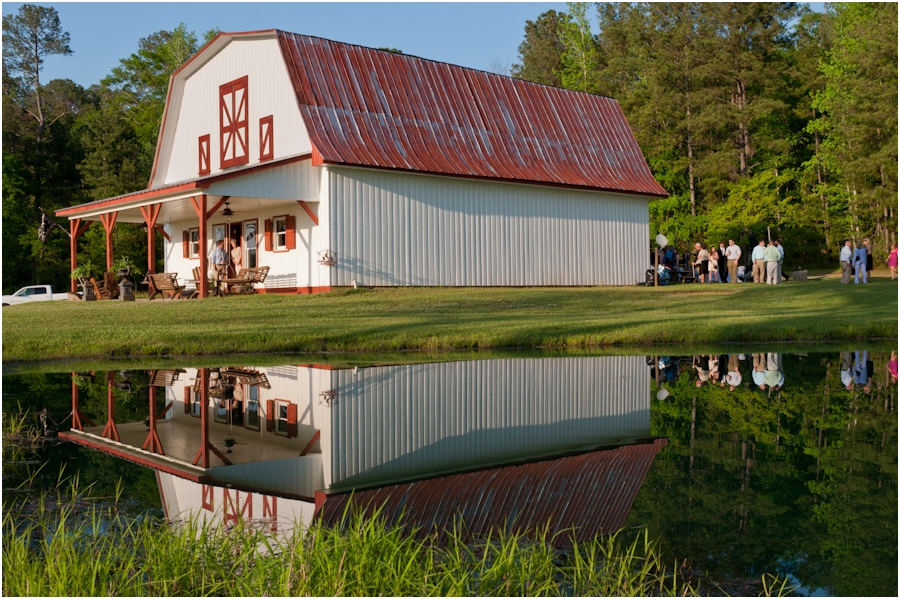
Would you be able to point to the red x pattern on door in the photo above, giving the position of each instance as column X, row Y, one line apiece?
column 233, row 123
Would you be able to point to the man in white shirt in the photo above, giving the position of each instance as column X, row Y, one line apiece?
column 846, row 255
column 733, row 253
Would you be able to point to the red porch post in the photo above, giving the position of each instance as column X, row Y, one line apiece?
column 151, row 213
column 153, row 443
column 203, row 453
column 109, row 431
column 200, row 208
column 75, row 231
column 109, row 221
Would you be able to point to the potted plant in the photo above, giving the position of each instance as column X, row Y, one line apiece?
column 123, row 268
column 83, row 273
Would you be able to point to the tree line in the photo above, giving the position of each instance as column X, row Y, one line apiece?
column 64, row 144
column 755, row 117
column 758, row 118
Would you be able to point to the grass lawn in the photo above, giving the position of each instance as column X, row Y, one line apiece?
column 399, row 319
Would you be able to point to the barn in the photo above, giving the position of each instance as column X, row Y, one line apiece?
column 338, row 165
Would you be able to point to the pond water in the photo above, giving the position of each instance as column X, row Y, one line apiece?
column 739, row 464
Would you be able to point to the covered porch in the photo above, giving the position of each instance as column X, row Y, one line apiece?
column 209, row 209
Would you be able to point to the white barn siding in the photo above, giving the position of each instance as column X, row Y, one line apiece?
column 404, row 229
column 195, row 103
column 397, row 422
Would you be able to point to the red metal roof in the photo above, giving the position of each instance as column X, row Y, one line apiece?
column 375, row 108
column 590, row 493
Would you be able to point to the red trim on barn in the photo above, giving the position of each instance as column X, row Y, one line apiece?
column 266, row 138
column 131, row 197
column 295, row 290
column 234, row 120
column 203, row 165
column 136, row 459
column 308, row 210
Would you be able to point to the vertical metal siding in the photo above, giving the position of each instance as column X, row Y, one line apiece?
column 401, row 229
column 398, row 422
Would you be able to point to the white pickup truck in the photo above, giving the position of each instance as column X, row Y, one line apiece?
column 33, row 293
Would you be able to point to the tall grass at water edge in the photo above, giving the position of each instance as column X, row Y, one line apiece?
column 59, row 548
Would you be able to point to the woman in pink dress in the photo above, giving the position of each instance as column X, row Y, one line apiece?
column 892, row 260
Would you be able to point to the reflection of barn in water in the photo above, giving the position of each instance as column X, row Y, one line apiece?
column 491, row 441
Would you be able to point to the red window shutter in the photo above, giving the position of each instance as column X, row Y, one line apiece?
column 292, row 420
column 289, row 225
column 270, row 415
column 234, row 122
column 187, row 400
column 203, row 149
column 268, row 234
column 266, row 137
column 185, row 244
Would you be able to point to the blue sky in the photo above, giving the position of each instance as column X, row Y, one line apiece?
column 476, row 34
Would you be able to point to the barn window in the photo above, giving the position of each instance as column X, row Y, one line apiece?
column 190, row 243
column 266, row 135
column 203, row 165
column 280, row 233
column 233, row 123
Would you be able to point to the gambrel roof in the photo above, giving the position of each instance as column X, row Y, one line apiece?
column 374, row 108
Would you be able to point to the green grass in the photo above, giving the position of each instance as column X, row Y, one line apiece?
column 403, row 319
column 60, row 547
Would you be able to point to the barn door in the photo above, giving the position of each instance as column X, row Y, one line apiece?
column 234, row 123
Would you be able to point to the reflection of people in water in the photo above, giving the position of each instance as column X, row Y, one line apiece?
column 774, row 373
column 701, row 365
column 759, row 370
column 846, row 368
column 862, row 370
column 733, row 377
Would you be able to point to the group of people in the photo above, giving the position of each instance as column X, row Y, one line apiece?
column 722, row 264
column 767, row 371
column 225, row 265
column 858, row 262
column 712, row 264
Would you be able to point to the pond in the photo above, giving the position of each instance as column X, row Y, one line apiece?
column 739, row 463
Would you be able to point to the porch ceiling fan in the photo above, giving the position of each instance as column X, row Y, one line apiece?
column 227, row 212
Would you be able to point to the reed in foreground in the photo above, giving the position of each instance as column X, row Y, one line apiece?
column 72, row 552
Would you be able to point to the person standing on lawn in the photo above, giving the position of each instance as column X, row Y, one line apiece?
column 869, row 264
column 780, row 262
column 723, row 262
column 733, row 253
column 859, row 263
column 772, row 256
column 702, row 262
column 892, row 260
column 846, row 260
column 759, row 262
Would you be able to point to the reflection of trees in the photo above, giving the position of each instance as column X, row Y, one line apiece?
column 101, row 471
column 801, row 480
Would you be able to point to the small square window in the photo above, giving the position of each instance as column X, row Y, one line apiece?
column 193, row 243
column 280, row 226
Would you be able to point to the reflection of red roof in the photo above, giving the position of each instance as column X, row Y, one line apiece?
column 591, row 493
column 374, row 108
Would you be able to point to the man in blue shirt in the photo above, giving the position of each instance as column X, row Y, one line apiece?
column 859, row 262
column 218, row 259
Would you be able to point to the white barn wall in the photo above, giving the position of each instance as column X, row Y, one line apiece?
column 396, row 422
column 404, row 229
column 194, row 108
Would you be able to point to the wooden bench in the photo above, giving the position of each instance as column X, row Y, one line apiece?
column 165, row 284
column 247, row 278
column 106, row 288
